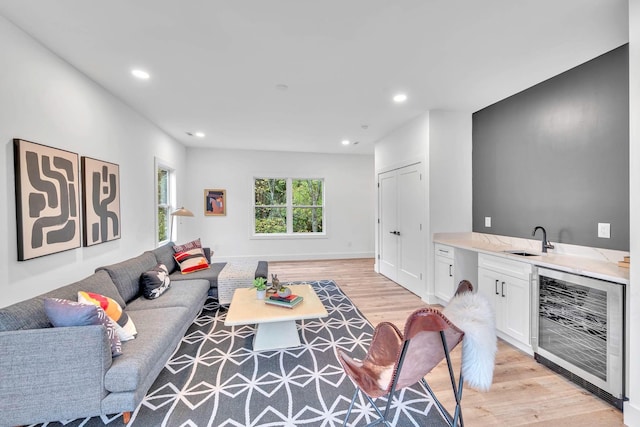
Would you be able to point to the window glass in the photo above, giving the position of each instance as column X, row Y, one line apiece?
column 288, row 206
column 307, row 205
column 163, row 209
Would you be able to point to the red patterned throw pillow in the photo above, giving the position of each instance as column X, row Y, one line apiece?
column 191, row 260
column 121, row 321
column 187, row 246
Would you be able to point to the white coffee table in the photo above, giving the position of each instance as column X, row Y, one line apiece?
column 275, row 325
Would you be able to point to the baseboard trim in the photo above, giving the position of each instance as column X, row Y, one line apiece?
column 631, row 414
column 294, row 257
column 431, row 299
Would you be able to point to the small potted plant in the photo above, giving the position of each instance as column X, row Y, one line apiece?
column 260, row 283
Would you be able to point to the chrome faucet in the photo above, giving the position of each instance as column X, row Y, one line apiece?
column 545, row 244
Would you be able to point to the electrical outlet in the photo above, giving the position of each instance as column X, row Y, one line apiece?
column 487, row 221
column 604, row 230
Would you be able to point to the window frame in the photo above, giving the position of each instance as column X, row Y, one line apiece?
column 290, row 234
column 170, row 200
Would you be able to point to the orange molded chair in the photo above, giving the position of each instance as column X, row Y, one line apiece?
column 397, row 360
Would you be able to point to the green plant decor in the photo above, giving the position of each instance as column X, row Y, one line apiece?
column 260, row 283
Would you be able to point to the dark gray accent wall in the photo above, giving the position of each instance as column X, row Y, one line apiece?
column 557, row 155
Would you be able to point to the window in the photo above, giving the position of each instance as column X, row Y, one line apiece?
column 164, row 201
column 289, row 206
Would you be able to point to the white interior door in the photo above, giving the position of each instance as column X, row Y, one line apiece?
column 410, row 214
column 388, row 223
column 400, row 232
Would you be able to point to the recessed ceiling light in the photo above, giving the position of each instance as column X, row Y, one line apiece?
column 401, row 97
column 346, row 142
column 141, row 74
column 198, row 134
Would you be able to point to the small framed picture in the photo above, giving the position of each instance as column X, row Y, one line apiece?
column 215, row 202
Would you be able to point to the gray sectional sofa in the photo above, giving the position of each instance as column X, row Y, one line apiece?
column 52, row 374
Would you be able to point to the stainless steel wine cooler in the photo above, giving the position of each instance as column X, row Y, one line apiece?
column 580, row 331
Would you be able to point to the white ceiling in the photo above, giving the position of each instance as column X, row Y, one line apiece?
column 215, row 64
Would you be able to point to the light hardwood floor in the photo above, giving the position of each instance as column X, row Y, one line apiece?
column 523, row 391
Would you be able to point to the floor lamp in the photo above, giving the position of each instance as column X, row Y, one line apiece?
column 179, row 212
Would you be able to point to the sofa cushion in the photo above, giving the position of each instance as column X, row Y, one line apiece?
column 63, row 313
column 164, row 255
column 155, row 282
column 186, row 293
column 126, row 274
column 30, row 314
column 122, row 323
column 159, row 332
column 191, row 260
column 210, row 274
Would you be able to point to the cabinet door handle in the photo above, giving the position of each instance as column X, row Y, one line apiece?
column 497, row 287
column 502, row 289
column 450, row 275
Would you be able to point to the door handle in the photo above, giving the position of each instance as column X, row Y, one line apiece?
column 502, row 289
column 496, row 286
column 397, row 233
column 450, row 275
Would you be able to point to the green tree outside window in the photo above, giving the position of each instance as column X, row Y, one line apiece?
column 288, row 206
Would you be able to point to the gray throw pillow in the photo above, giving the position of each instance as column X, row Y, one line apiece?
column 63, row 313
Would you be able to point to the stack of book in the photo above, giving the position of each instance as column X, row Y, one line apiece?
column 290, row 301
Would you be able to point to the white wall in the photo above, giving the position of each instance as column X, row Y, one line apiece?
column 450, row 190
column 441, row 140
column 404, row 145
column 349, row 203
column 45, row 100
column 450, row 181
column 632, row 407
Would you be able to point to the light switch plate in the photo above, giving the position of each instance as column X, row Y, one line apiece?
column 487, row 221
column 604, row 230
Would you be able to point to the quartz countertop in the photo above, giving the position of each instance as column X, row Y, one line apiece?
column 582, row 260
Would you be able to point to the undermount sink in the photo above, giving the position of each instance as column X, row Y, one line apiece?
column 521, row 253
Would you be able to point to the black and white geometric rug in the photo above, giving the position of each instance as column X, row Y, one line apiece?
column 215, row 379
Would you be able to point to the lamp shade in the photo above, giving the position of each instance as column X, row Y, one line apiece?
column 182, row 212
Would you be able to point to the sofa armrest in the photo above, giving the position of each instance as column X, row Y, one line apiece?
column 52, row 374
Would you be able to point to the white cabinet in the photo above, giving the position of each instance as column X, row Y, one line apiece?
column 443, row 265
column 451, row 265
column 506, row 283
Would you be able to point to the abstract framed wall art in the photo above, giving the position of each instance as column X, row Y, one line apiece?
column 100, row 201
column 47, row 199
column 215, row 202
